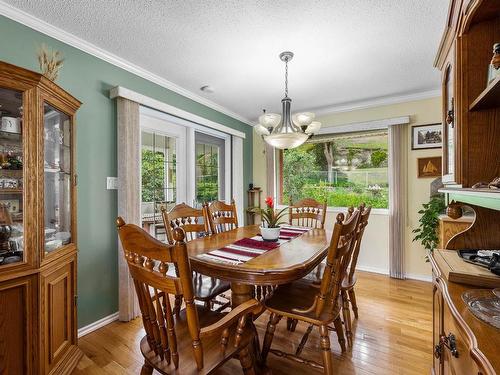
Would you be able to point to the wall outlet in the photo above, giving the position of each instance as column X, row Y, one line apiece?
column 112, row 183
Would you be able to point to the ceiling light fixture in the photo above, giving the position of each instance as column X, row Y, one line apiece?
column 286, row 131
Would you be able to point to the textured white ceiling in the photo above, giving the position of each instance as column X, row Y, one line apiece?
column 345, row 50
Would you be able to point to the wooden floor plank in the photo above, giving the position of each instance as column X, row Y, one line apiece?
column 392, row 336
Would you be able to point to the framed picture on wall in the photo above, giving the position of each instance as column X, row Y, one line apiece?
column 426, row 136
column 429, row 167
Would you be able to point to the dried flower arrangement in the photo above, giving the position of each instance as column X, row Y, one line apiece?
column 50, row 61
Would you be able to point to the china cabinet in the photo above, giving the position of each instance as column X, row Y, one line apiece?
column 471, row 108
column 38, row 252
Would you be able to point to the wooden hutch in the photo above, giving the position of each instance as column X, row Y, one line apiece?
column 38, row 253
column 464, row 344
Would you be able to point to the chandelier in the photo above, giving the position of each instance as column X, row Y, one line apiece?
column 286, row 131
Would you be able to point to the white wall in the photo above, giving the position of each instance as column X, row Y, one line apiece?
column 374, row 254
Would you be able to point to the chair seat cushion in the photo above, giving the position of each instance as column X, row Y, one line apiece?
column 212, row 353
column 300, row 295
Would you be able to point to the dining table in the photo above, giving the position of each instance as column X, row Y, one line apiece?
column 288, row 262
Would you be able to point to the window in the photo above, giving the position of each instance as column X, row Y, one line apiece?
column 209, row 162
column 158, row 171
column 343, row 169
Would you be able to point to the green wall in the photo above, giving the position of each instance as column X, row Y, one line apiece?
column 89, row 79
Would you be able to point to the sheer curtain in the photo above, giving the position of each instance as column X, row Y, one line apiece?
column 398, row 154
column 129, row 205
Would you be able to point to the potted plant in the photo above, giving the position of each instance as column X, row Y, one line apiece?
column 426, row 233
column 270, row 228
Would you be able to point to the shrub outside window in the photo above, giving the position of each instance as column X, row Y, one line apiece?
column 343, row 169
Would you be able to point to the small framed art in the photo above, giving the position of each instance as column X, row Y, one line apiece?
column 426, row 136
column 429, row 167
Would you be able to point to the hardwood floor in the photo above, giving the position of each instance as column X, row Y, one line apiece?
column 392, row 336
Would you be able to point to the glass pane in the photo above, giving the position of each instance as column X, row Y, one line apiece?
column 158, row 179
column 57, row 175
column 450, row 132
column 343, row 169
column 11, row 178
column 207, row 172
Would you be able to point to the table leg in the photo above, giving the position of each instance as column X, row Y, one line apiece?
column 241, row 293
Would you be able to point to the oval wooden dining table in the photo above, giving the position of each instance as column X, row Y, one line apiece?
column 288, row 262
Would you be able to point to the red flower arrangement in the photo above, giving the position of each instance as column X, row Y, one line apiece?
column 270, row 202
column 269, row 215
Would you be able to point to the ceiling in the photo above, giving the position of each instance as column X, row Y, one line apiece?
column 346, row 51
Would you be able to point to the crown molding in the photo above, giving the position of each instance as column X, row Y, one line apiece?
column 375, row 102
column 43, row 27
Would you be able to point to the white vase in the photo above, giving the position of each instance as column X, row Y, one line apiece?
column 270, row 234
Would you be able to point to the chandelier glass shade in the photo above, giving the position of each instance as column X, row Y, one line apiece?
column 286, row 131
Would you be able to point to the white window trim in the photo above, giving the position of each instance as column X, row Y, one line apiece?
column 364, row 126
column 191, row 128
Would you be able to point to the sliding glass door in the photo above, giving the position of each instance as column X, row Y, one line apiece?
column 180, row 162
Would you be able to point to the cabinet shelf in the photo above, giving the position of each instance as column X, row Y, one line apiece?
column 11, row 191
column 8, row 136
column 489, row 98
column 489, row 198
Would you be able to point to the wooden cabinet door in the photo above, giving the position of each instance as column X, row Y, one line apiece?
column 449, row 135
column 461, row 363
column 58, row 312
column 437, row 327
column 17, row 316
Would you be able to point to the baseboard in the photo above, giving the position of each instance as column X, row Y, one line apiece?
column 381, row 271
column 412, row 276
column 97, row 324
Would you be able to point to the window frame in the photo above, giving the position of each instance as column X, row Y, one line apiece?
column 350, row 128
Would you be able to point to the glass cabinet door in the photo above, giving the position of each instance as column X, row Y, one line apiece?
column 57, row 176
column 449, row 129
column 11, row 178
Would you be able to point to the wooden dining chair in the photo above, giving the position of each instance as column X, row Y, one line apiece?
column 197, row 340
column 307, row 212
column 310, row 213
column 195, row 224
column 349, row 280
column 222, row 217
column 303, row 301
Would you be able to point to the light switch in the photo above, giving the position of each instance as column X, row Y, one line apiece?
column 112, row 183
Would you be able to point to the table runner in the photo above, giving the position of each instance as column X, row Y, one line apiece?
column 245, row 249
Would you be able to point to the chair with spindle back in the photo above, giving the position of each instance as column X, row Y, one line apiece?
column 195, row 224
column 307, row 212
column 222, row 217
column 349, row 281
column 197, row 340
column 301, row 300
